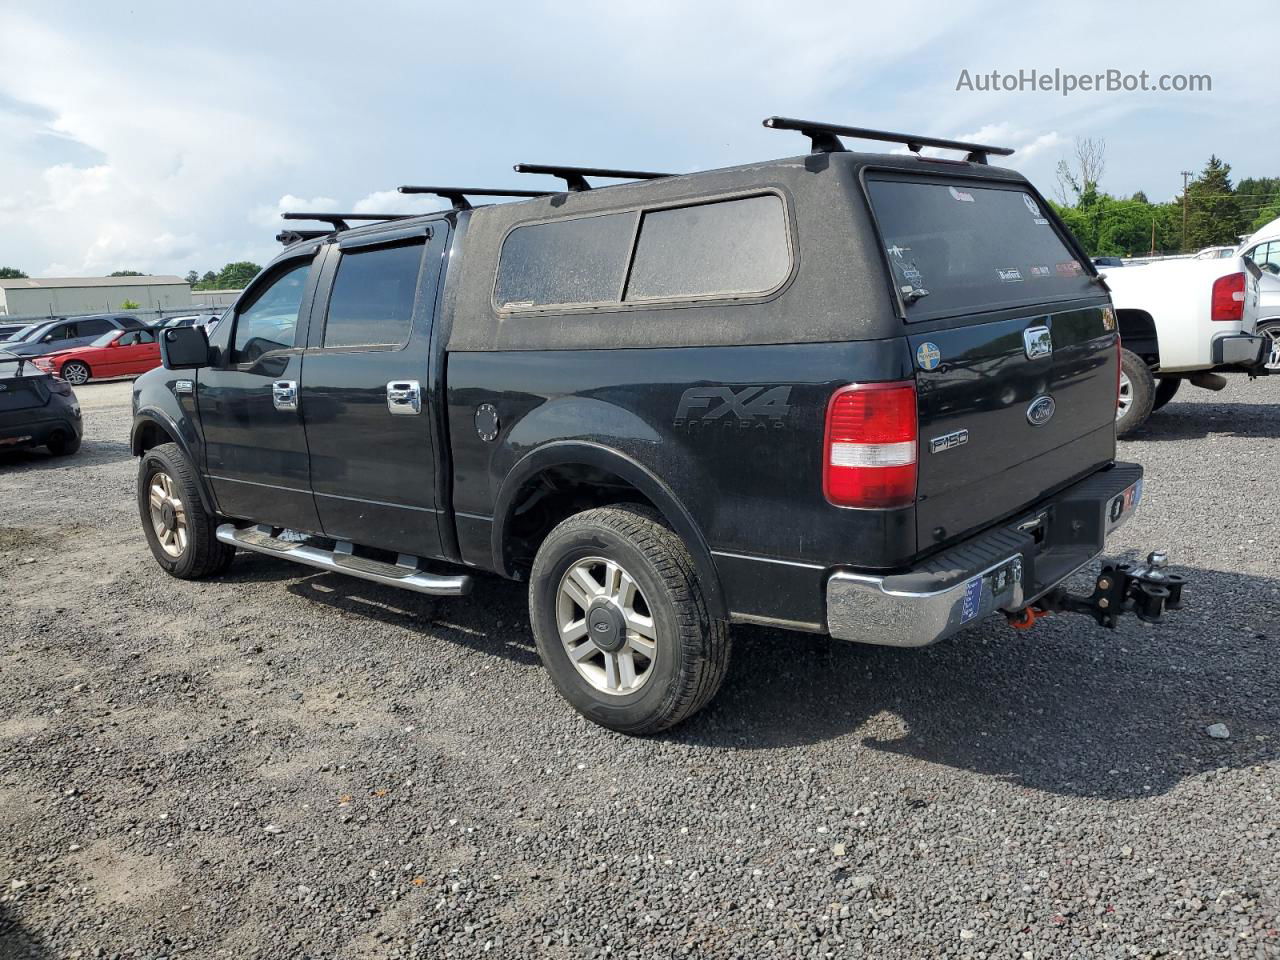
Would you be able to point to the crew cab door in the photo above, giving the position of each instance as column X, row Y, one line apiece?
column 366, row 400
column 255, row 446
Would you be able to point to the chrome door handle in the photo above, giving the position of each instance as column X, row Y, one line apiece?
column 284, row 394
column 404, row 397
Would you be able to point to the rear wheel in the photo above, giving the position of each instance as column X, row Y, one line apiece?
column 180, row 532
column 1271, row 330
column 1165, row 390
column 621, row 622
column 63, row 444
column 75, row 372
column 1137, row 393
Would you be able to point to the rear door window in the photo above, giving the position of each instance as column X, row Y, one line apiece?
column 94, row 328
column 961, row 247
column 373, row 294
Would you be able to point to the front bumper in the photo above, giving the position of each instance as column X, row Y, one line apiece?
column 1002, row 569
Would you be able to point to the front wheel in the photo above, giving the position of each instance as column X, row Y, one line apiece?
column 621, row 623
column 1137, row 393
column 1271, row 330
column 75, row 372
column 180, row 532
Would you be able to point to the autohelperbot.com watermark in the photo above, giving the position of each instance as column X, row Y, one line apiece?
column 1065, row 82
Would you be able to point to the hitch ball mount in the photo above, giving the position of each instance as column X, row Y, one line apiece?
column 1145, row 589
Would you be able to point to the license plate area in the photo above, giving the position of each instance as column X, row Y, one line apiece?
column 988, row 590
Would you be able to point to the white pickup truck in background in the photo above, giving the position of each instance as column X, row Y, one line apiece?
column 1182, row 320
column 1263, row 249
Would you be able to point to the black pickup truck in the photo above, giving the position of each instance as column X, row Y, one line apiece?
column 867, row 395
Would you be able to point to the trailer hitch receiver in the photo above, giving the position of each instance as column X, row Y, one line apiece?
column 1145, row 589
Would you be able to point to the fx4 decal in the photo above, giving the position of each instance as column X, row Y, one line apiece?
column 752, row 406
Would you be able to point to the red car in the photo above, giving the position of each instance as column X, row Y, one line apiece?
column 115, row 354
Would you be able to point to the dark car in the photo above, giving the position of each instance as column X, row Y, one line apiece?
column 9, row 331
column 1108, row 262
column 866, row 395
column 36, row 409
column 68, row 332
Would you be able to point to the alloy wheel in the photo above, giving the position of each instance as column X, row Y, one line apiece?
column 168, row 514
column 1125, row 398
column 606, row 626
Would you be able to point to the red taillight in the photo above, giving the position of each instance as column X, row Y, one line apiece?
column 1227, row 303
column 869, row 457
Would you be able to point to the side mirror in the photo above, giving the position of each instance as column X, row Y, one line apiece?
column 184, row 348
column 47, row 338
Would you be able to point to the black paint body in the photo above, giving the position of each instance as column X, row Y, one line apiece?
column 652, row 403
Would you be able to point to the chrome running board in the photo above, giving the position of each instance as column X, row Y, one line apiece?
column 404, row 573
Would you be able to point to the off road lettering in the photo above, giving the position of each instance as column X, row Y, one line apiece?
column 745, row 403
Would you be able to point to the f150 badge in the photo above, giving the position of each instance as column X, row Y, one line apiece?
column 759, row 406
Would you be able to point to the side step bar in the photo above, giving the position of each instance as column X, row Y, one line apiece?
column 404, row 573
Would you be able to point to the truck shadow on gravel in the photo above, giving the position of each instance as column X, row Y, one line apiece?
column 1068, row 708
column 15, row 942
column 1193, row 421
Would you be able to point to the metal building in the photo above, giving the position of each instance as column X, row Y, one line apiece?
column 69, row 296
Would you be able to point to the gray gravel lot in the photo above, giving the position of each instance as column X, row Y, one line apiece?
column 297, row 764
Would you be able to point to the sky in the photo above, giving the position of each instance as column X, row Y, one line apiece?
column 166, row 137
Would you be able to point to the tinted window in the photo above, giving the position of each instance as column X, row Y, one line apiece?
column 373, row 293
column 957, row 248
column 270, row 322
column 728, row 248
column 569, row 261
column 94, row 328
column 130, row 323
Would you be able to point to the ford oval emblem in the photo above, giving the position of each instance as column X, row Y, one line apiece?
column 1041, row 410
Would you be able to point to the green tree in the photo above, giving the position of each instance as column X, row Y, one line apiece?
column 1213, row 210
column 126, row 273
column 11, row 273
column 235, row 276
column 192, row 277
column 130, row 304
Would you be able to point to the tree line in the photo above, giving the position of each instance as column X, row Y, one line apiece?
column 1211, row 211
column 234, row 276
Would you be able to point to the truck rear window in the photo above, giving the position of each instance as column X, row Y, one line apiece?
column 957, row 247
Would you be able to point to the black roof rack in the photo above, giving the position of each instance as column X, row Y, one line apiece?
column 826, row 138
column 339, row 220
column 458, row 195
column 575, row 178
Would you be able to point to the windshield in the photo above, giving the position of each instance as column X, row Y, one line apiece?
column 105, row 339
column 962, row 247
column 29, row 332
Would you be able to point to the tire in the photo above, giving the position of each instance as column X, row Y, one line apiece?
column 75, row 372
column 197, row 554
column 1165, row 389
column 1271, row 330
column 1137, row 393
column 689, row 648
column 63, row 444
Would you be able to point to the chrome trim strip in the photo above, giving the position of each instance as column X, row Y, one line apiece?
column 256, row 483
column 760, row 621
column 786, row 563
column 376, row 503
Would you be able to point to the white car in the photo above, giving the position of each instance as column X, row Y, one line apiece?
column 1215, row 253
column 1184, row 320
column 1263, row 249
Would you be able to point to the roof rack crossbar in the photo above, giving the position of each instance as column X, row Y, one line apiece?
column 339, row 220
column 575, row 178
column 826, row 138
column 458, row 195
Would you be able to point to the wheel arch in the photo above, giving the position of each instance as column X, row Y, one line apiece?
column 151, row 428
column 575, row 463
column 1138, row 334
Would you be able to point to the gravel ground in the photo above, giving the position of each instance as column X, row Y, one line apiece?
column 299, row 764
